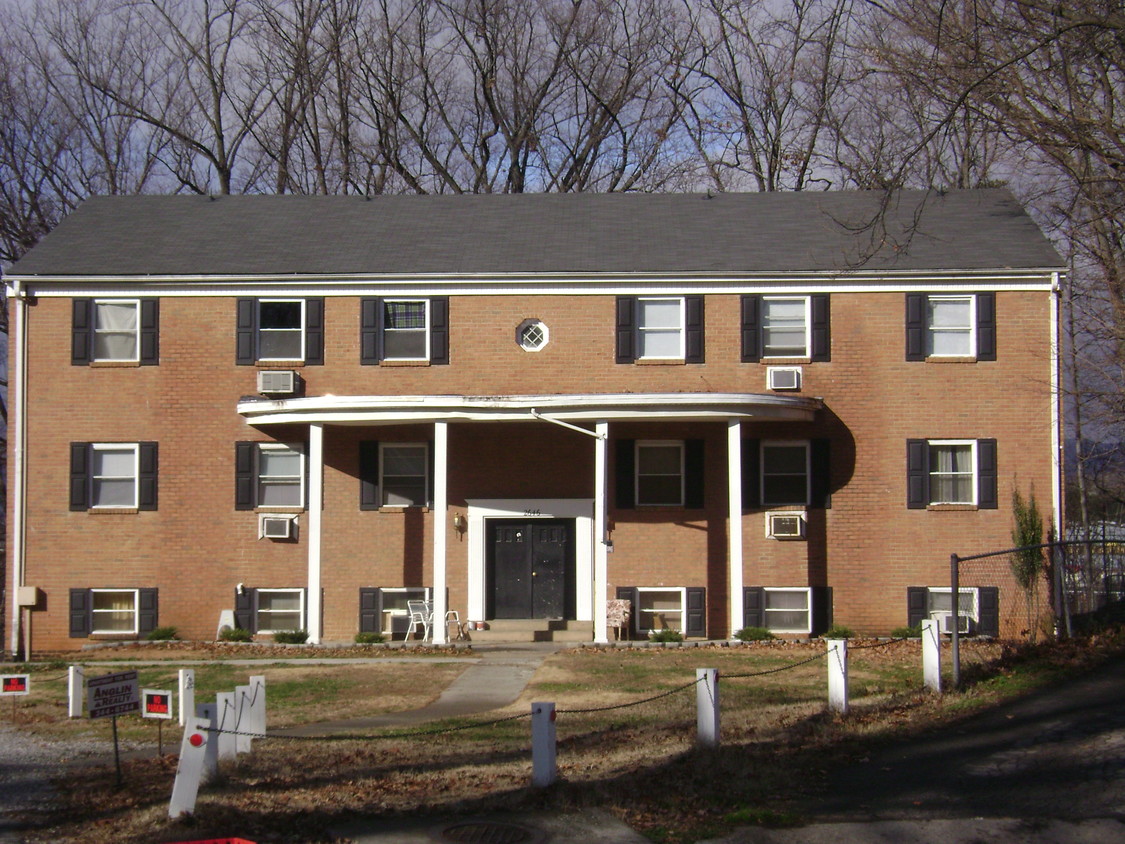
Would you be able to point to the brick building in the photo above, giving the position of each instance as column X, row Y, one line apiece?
column 775, row 410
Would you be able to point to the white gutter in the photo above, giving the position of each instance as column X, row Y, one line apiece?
column 17, row 382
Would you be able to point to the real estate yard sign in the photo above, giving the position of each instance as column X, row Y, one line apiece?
column 113, row 694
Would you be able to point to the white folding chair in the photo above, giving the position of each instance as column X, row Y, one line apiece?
column 421, row 615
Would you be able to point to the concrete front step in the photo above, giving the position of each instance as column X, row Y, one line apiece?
column 534, row 630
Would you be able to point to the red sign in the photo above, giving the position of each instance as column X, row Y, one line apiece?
column 156, row 703
column 15, row 684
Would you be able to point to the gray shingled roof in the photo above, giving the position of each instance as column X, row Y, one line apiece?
column 728, row 234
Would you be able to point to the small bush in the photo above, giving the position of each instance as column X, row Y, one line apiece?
column 291, row 637
column 838, row 631
column 914, row 632
column 163, row 634
column 666, row 635
column 369, row 638
column 235, row 634
column 754, row 634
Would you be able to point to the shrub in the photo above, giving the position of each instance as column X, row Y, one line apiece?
column 163, row 634
column 235, row 634
column 838, row 631
column 291, row 637
column 369, row 638
column 914, row 632
column 666, row 635
column 754, row 634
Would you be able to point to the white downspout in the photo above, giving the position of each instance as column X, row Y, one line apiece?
column 316, row 531
column 1056, row 408
column 734, row 498
column 441, row 507
column 17, row 425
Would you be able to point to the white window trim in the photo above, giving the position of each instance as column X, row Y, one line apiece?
column 136, row 303
column 808, row 609
column 425, row 329
column 258, row 611
column 973, row 615
column 807, row 301
column 949, row 297
column 637, row 615
column 681, row 329
column 94, row 631
column 299, row 448
column 637, row 446
column 808, row 472
column 135, row 449
column 304, row 320
column 382, row 473
column 974, row 484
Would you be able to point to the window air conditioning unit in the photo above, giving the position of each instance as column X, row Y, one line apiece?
column 277, row 381
column 945, row 622
column 786, row 525
column 276, row 527
column 783, row 377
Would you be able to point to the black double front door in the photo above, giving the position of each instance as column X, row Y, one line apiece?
column 530, row 568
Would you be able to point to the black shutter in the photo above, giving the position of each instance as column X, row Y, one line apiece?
column 987, row 478
column 986, row 326
column 753, row 606
column 751, row 328
column 439, row 330
column 629, row 593
column 626, row 326
column 695, row 613
column 246, row 332
column 751, row 474
column 244, row 618
column 147, row 476
column 244, row 485
column 314, row 332
column 369, row 475
column 917, row 474
column 82, row 332
column 915, row 326
column 370, row 351
column 821, row 609
column 625, row 463
column 80, row 476
column 820, row 484
column 80, row 607
column 147, row 610
column 988, row 623
column 693, row 474
column 370, row 610
column 694, row 347
column 821, row 328
column 917, row 605
column 150, row 332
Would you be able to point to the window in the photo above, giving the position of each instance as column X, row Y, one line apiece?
column 532, row 335
column 279, row 610
column 115, row 331
column 786, row 327
column 269, row 475
column 681, row 608
column 113, row 476
column 660, row 473
column 788, row 610
column 404, row 481
column 950, row 325
column 951, row 472
column 659, row 328
column 978, row 608
column 410, row 330
column 280, row 330
column 112, row 611
column 385, row 611
column 785, row 473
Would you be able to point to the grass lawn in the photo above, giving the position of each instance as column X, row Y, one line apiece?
column 626, row 741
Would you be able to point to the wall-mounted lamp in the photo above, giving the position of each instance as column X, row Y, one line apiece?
column 458, row 522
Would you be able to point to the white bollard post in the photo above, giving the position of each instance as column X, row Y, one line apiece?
column 187, row 694
column 838, row 675
column 208, row 714
column 242, row 718
column 707, row 706
column 75, row 690
column 931, row 655
column 227, row 720
column 189, row 771
column 543, row 759
column 258, row 705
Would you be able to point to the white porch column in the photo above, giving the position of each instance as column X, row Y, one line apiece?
column 316, row 521
column 441, row 507
column 734, row 496
column 601, row 550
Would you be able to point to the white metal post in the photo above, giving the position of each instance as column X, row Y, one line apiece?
column 187, row 695
column 543, row 751
column 707, row 706
column 242, row 717
column 228, row 723
column 76, row 690
column 837, row 675
column 931, row 655
column 257, row 724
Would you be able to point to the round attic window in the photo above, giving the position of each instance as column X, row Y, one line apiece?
column 532, row 335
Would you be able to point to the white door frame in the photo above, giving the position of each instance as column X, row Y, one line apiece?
column 579, row 509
